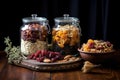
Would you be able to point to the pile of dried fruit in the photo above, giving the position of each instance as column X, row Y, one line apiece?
column 97, row 46
column 50, row 56
column 46, row 56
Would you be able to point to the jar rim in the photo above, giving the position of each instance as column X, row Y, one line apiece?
column 29, row 19
column 34, row 18
column 66, row 18
column 69, row 19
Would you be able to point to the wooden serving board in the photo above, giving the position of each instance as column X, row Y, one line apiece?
column 40, row 66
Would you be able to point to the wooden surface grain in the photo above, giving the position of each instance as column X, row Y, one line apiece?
column 13, row 72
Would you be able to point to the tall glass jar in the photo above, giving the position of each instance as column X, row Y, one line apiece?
column 66, row 35
column 34, row 32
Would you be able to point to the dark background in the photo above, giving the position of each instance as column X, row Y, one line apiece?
column 98, row 18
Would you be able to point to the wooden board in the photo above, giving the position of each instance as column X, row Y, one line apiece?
column 40, row 66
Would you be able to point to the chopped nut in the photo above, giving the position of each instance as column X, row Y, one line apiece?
column 72, row 58
column 77, row 59
column 60, row 61
column 46, row 60
column 67, row 56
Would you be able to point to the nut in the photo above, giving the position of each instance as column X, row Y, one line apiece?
column 46, row 60
column 67, row 56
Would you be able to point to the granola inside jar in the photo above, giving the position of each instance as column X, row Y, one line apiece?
column 66, row 34
column 34, row 34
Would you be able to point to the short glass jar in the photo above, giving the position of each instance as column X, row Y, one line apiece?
column 66, row 35
column 34, row 33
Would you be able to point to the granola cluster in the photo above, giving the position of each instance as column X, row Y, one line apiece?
column 98, row 46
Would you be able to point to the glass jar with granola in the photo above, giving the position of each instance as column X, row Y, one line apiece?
column 34, row 32
column 66, row 34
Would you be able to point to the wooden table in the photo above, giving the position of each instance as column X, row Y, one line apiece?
column 12, row 72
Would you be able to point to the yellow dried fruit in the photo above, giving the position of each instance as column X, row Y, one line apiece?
column 90, row 41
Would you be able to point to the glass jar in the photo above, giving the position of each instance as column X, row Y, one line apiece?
column 34, row 33
column 66, row 35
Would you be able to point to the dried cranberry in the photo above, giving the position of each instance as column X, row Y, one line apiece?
column 91, row 45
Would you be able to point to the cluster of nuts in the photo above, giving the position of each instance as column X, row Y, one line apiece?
column 68, row 58
column 98, row 46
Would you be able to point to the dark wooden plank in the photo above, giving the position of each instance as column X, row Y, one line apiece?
column 3, row 60
column 117, row 73
column 66, row 75
column 11, row 72
column 42, row 75
column 96, row 74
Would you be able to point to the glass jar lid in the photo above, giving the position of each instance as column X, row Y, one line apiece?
column 34, row 18
column 66, row 18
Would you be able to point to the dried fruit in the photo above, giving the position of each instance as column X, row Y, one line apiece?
column 97, row 46
column 44, row 55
